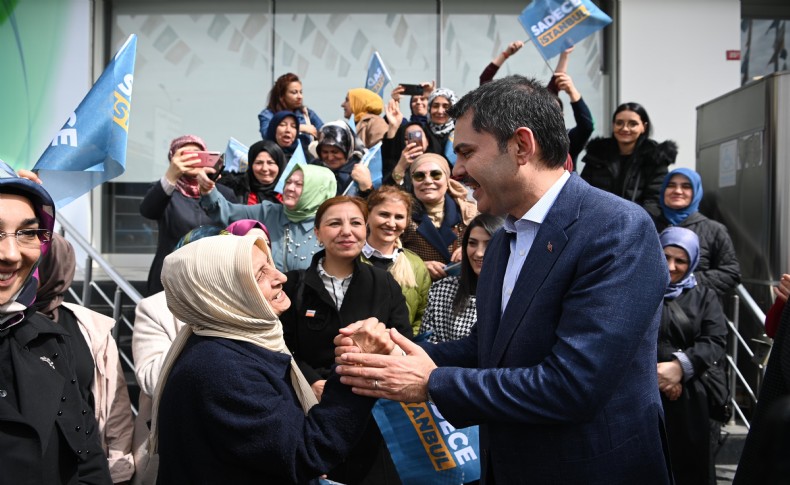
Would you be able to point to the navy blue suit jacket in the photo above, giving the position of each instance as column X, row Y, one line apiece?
column 564, row 382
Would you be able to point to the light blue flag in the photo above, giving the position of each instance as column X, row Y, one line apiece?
column 297, row 157
column 236, row 156
column 90, row 149
column 378, row 77
column 373, row 161
column 555, row 25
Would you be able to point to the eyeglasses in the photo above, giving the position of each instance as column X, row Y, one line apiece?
column 29, row 238
column 420, row 176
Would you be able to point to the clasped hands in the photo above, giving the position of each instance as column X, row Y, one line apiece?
column 381, row 363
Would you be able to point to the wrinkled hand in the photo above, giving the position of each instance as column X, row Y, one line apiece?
column 400, row 378
column 669, row 374
column 565, row 83
column 436, row 269
column 782, row 291
column 318, row 388
column 30, row 175
column 512, row 48
column 182, row 163
column 361, row 175
column 365, row 336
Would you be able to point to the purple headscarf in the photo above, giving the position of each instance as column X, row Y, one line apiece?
column 688, row 241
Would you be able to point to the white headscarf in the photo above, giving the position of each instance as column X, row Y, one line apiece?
column 210, row 285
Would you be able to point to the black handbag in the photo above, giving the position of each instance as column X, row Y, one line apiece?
column 715, row 381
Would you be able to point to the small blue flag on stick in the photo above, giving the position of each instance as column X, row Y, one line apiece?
column 297, row 157
column 90, row 149
column 378, row 77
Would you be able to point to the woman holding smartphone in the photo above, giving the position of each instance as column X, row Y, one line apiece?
column 173, row 202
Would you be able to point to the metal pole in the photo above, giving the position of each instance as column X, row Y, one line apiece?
column 116, row 311
column 86, row 282
column 734, row 343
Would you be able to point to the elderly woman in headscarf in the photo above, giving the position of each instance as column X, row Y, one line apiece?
column 338, row 151
column 231, row 404
column 440, row 215
column 366, row 107
column 172, row 202
column 291, row 223
column 718, row 267
column 256, row 184
column 99, row 373
column 46, row 433
column 691, row 345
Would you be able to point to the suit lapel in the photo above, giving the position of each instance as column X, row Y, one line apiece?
column 489, row 291
column 547, row 248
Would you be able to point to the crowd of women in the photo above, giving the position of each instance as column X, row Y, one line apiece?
column 233, row 345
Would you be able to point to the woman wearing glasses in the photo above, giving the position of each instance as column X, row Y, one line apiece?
column 46, row 434
column 629, row 163
column 440, row 215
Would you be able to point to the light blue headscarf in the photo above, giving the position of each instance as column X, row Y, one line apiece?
column 688, row 241
column 676, row 216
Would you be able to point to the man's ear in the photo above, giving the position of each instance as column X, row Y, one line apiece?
column 526, row 146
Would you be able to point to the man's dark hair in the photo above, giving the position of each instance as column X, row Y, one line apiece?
column 502, row 106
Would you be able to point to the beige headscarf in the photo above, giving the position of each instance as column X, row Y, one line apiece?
column 457, row 190
column 210, row 285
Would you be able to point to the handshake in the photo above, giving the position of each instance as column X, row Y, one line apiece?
column 380, row 362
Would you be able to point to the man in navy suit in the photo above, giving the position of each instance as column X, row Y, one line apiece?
column 560, row 371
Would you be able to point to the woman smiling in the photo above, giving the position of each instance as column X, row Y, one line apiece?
column 390, row 212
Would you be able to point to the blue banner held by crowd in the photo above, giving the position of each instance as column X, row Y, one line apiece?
column 375, row 164
column 236, row 156
column 378, row 77
column 555, row 25
column 297, row 157
column 90, row 149
column 425, row 448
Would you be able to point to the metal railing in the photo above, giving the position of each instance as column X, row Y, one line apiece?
column 90, row 287
column 738, row 344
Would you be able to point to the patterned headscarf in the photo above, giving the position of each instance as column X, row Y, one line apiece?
column 187, row 184
column 364, row 101
column 688, row 241
column 450, row 96
column 458, row 192
column 676, row 216
column 319, row 185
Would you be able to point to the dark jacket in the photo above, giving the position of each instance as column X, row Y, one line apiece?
column 48, row 434
column 229, row 414
column 175, row 216
column 693, row 323
column 637, row 177
column 430, row 243
column 372, row 292
column 718, row 266
column 239, row 183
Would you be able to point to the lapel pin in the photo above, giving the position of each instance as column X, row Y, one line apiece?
column 549, row 246
column 46, row 359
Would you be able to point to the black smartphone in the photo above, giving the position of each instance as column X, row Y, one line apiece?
column 412, row 89
column 218, row 166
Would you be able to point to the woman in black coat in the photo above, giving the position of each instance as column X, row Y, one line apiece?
column 629, row 163
column 174, row 203
column 718, row 266
column 691, row 343
column 266, row 164
column 336, row 290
